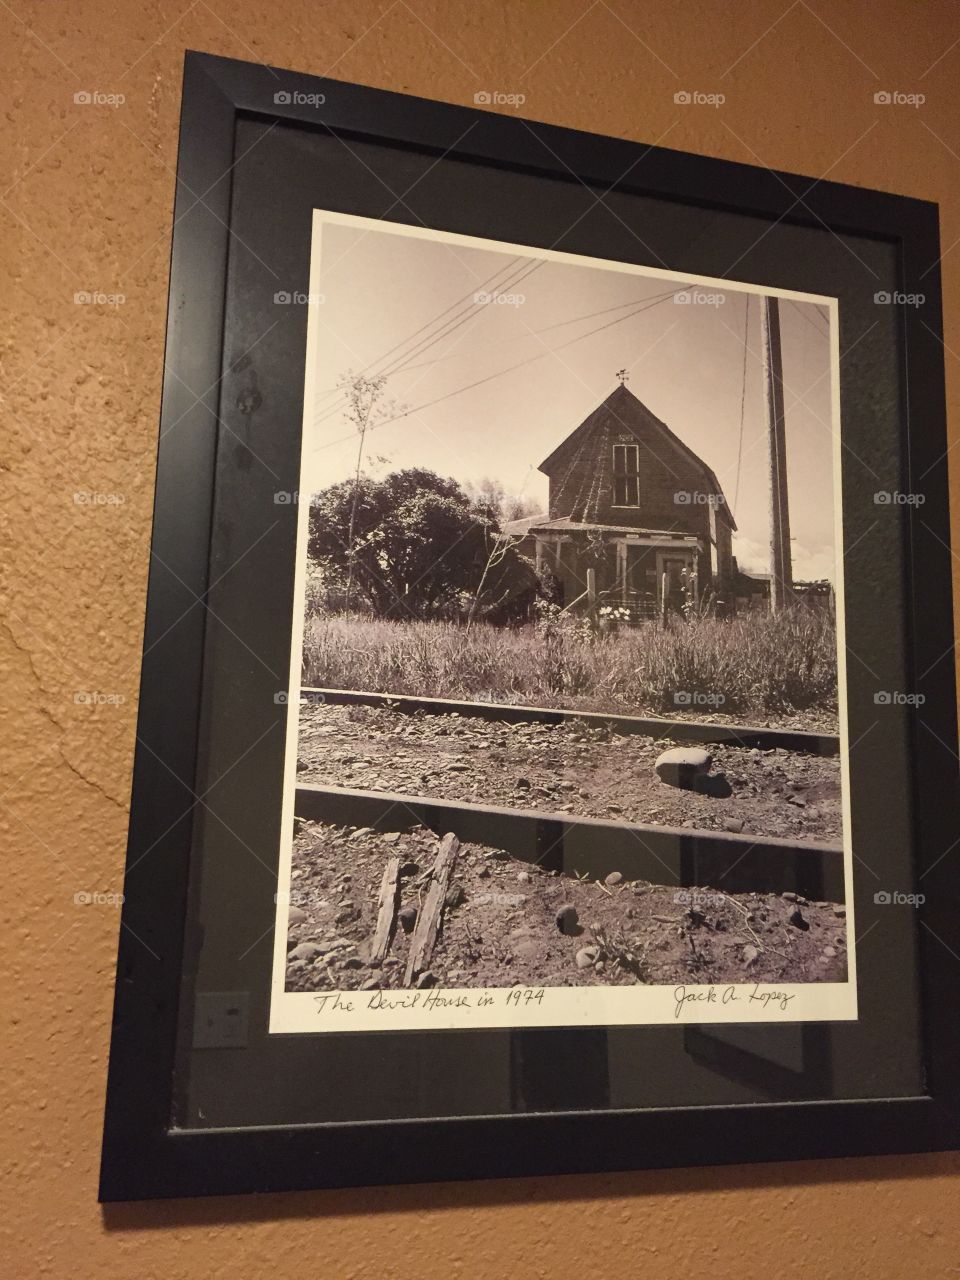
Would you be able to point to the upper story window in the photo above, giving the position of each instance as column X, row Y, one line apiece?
column 626, row 475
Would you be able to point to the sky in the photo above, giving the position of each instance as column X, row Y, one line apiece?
column 543, row 358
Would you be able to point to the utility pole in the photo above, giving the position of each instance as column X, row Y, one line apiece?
column 781, row 564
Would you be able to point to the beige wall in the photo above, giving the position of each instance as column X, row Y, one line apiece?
column 87, row 207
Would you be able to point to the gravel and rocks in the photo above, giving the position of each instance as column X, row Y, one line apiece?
column 570, row 768
column 511, row 923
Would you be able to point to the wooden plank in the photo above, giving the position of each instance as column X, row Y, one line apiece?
column 387, row 904
column 737, row 862
column 430, row 918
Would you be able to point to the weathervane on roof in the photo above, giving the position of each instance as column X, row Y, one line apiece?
column 623, row 375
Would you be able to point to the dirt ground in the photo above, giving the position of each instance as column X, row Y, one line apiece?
column 566, row 768
column 507, row 923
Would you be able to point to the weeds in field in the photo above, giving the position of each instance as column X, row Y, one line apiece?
column 759, row 664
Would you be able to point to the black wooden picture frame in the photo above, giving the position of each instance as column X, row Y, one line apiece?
column 146, row 1154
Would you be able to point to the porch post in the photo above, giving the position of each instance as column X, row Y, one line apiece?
column 622, row 570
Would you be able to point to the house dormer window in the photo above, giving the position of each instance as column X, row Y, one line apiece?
column 626, row 475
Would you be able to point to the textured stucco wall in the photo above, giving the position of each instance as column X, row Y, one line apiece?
column 86, row 206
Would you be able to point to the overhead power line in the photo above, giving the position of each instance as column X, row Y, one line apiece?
column 814, row 324
column 463, row 308
column 548, row 328
column 647, row 306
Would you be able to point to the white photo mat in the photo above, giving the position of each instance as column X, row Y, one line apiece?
column 478, row 1007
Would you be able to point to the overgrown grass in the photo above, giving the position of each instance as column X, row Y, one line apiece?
column 754, row 665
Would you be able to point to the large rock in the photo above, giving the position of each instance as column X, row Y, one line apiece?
column 306, row 951
column 683, row 766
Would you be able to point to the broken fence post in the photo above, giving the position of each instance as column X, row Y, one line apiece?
column 430, row 919
column 387, row 904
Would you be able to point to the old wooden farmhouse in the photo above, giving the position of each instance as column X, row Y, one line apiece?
column 631, row 501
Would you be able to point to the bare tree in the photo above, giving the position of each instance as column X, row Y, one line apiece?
column 365, row 409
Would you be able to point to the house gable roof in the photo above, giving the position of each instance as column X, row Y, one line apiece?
column 631, row 414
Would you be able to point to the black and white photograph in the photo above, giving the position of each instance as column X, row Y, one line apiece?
column 566, row 701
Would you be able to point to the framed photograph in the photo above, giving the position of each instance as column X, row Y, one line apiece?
column 547, row 749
